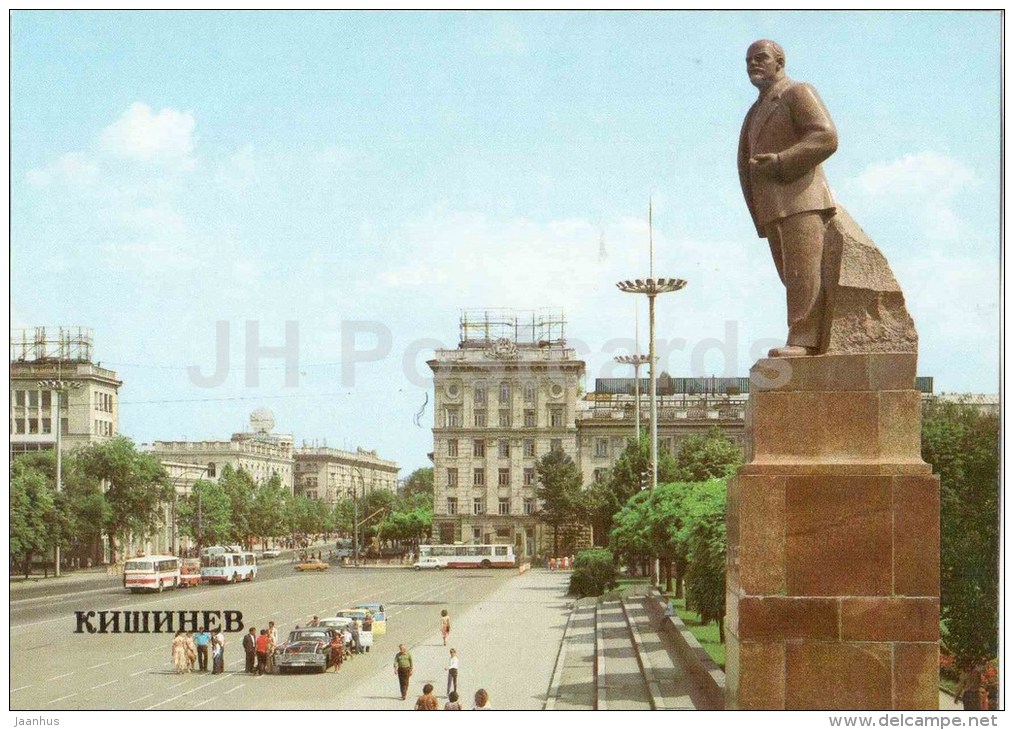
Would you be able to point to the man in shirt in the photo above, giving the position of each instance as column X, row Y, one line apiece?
column 262, row 652
column 403, row 668
column 250, row 647
column 202, row 638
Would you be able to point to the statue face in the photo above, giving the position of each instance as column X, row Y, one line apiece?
column 762, row 66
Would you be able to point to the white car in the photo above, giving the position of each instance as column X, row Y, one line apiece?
column 428, row 564
column 270, row 553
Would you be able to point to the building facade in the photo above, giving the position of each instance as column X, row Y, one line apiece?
column 335, row 474
column 89, row 401
column 503, row 399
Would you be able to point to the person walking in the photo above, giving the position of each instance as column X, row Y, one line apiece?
column 403, row 668
column 218, row 652
column 272, row 644
column 178, row 653
column 191, row 651
column 482, row 700
column 250, row 648
column 452, row 672
column 201, row 640
column 445, row 625
column 452, row 702
column 262, row 652
column 969, row 682
column 354, row 631
column 337, row 647
column 427, row 701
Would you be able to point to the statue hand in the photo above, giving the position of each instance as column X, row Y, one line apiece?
column 765, row 164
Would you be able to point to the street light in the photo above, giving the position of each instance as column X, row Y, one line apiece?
column 637, row 361
column 355, row 513
column 58, row 387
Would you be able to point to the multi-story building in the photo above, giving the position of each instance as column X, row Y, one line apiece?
column 260, row 452
column 335, row 474
column 41, row 358
column 504, row 398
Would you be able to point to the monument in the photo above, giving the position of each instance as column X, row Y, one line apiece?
column 833, row 520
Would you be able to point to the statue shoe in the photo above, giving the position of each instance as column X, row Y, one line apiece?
column 792, row 351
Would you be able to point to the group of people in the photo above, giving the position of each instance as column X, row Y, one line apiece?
column 428, row 701
column 563, row 563
column 190, row 648
column 260, row 649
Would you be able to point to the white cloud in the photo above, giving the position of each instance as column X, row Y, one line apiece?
column 73, row 168
column 163, row 137
column 922, row 186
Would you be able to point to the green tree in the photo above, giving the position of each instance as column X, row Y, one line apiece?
column 266, row 513
column 136, row 487
column 594, row 573
column 559, row 493
column 419, row 482
column 711, row 456
column 32, row 508
column 962, row 444
column 205, row 514
column 240, row 487
column 704, row 527
column 630, row 539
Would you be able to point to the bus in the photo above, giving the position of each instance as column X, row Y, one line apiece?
column 151, row 573
column 471, row 556
column 227, row 564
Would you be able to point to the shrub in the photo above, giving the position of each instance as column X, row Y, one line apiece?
column 594, row 573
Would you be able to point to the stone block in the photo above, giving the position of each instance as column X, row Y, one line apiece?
column 916, row 675
column 755, row 675
column 890, row 619
column 760, row 512
column 849, row 426
column 899, row 433
column 784, row 426
column 838, row 676
column 833, row 373
column 916, row 509
column 838, row 536
column 774, row 618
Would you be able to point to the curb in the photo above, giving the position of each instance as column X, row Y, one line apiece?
column 600, row 666
column 647, row 669
column 561, row 659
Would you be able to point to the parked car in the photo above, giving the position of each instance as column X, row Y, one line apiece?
column 306, row 648
column 312, row 564
column 427, row 564
column 379, row 616
column 270, row 553
column 358, row 614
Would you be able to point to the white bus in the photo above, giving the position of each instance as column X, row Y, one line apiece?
column 470, row 556
column 227, row 564
column 151, row 573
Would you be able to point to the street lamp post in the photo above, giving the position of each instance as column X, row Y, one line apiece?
column 58, row 387
column 637, row 361
column 355, row 514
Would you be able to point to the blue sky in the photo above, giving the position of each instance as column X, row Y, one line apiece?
column 173, row 170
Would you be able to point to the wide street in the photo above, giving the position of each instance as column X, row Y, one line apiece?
column 497, row 616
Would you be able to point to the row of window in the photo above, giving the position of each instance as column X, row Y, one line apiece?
column 452, row 418
column 104, row 402
column 103, row 428
column 35, row 425
column 479, row 506
column 503, row 447
column 479, row 392
column 33, row 398
column 503, row 477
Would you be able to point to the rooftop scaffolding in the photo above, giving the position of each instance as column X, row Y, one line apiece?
column 539, row 327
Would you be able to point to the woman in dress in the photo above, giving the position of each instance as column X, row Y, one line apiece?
column 179, row 653
column 445, row 625
column 337, row 647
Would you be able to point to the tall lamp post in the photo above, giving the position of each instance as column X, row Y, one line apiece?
column 637, row 361
column 652, row 287
column 58, row 387
column 355, row 513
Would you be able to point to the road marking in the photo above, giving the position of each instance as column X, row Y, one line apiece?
column 104, row 685
column 59, row 676
column 136, row 653
column 99, row 665
column 65, row 697
column 184, row 694
column 206, row 701
column 238, row 686
column 20, row 688
column 150, row 694
column 141, row 672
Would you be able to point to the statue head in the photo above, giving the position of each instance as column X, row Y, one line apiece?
column 765, row 63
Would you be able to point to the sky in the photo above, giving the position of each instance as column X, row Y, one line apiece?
column 193, row 185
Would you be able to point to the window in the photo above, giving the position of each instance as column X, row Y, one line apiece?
column 47, row 425
column 211, row 470
column 452, row 477
column 479, row 477
column 453, row 418
column 504, row 448
column 478, row 447
column 556, row 444
column 452, row 505
column 529, row 418
column 529, row 505
column 19, row 425
column 601, row 447
column 529, row 476
column 19, row 398
column 47, row 399
column 479, row 419
column 479, row 390
column 600, row 475
column 505, row 506
column 452, row 447
column 33, row 399
column 505, row 392
column 503, row 478
column 529, row 392
column 478, row 506
column 505, row 419
column 529, row 447
column 477, row 534
column 556, row 417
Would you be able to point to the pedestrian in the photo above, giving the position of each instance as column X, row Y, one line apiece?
column 403, row 668
column 191, row 651
column 552, row 563
column 178, row 653
column 337, row 647
column 354, row 631
column 314, row 622
column 368, row 622
column 445, row 625
column 272, row 644
column 482, row 700
column 201, row 640
column 250, row 647
column 218, row 652
column 452, row 702
column 969, row 682
column 262, row 652
column 427, row 701
column 452, row 672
